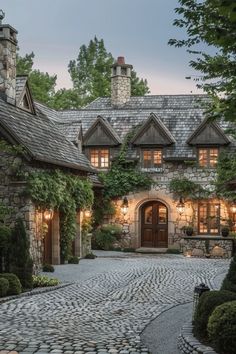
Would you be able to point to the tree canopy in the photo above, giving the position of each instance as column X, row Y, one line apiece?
column 90, row 74
column 212, row 22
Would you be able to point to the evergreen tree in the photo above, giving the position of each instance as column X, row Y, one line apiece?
column 20, row 259
column 213, row 23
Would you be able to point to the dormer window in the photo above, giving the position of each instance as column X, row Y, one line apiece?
column 151, row 158
column 100, row 158
column 208, row 157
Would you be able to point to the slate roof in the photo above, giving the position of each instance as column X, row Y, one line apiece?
column 41, row 137
column 180, row 114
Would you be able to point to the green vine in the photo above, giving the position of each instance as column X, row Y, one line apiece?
column 183, row 187
column 123, row 177
column 63, row 192
column 226, row 173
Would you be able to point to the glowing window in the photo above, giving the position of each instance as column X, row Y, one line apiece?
column 151, row 158
column 209, row 218
column 99, row 158
column 207, row 157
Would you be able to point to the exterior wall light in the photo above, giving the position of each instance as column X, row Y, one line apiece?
column 87, row 213
column 48, row 214
column 233, row 208
column 124, row 206
column 180, row 206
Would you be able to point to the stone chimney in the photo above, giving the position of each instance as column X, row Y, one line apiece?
column 120, row 82
column 8, row 45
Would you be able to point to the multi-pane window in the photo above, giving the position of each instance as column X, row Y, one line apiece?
column 99, row 158
column 207, row 157
column 209, row 218
column 151, row 158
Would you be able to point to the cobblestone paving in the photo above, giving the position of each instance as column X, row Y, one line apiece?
column 107, row 312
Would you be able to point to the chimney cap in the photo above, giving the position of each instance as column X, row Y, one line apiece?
column 121, row 60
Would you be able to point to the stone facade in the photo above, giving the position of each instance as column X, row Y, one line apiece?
column 120, row 82
column 208, row 246
column 8, row 45
column 131, row 222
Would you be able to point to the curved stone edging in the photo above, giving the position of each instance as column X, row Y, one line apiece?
column 188, row 344
column 35, row 291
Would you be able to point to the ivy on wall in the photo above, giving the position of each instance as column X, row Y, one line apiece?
column 183, row 187
column 226, row 173
column 63, row 192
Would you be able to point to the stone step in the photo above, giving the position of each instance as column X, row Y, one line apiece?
column 151, row 250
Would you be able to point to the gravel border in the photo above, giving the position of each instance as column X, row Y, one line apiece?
column 35, row 291
column 188, row 344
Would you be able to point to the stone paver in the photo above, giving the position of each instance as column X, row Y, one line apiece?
column 107, row 312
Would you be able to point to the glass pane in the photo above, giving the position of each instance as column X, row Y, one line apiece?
column 162, row 215
column 104, row 155
column 147, row 159
column 213, row 157
column 214, row 210
column 94, row 157
column 157, row 158
column 203, row 218
column 202, row 157
column 148, row 215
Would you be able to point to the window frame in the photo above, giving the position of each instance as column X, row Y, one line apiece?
column 151, row 150
column 209, row 204
column 208, row 158
column 99, row 149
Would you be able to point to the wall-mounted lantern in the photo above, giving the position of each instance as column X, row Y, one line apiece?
column 233, row 208
column 124, row 206
column 87, row 213
column 48, row 214
column 180, row 206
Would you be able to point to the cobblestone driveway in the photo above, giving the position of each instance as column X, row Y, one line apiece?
column 108, row 311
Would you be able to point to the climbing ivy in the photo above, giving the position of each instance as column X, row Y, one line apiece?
column 65, row 193
column 183, row 187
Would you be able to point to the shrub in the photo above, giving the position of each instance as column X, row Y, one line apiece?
column 48, row 268
column 229, row 282
column 15, row 287
column 43, row 281
column 73, row 260
column 207, row 303
column 21, row 262
column 4, row 286
column 90, row 256
column 222, row 328
column 107, row 234
column 5, row 236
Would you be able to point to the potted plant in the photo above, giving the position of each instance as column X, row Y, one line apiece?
column 225, row 231
column 189, row 230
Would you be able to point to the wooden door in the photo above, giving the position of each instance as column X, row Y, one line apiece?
column 47, row 254
column 154, row 225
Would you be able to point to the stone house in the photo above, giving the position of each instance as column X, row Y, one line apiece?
column 173, row 139
column 45, row 147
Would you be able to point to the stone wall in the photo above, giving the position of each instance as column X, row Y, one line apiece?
column 120, row 90
column 8, row 63
column 209, row 246
column 160, row 191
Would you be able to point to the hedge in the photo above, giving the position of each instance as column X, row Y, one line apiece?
column 15, row 287
column 4, row 286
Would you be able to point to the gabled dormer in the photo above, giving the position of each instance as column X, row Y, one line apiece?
column 24, row 98
column 208, row 133
column 99, row 141
column 101, row 133
column 153, row 132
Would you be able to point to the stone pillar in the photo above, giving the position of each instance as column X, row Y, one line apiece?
column 55, row 239
column 8, row 45
column 120, row 82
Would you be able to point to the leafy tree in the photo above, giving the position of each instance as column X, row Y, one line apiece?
column 213, row 23
column 91, row 71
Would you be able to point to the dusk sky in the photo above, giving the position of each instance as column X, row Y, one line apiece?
column 137, row 29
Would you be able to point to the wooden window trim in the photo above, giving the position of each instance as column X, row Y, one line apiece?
column 208, row 149
column 208, row 221
column 99, row 149
column 151, row 150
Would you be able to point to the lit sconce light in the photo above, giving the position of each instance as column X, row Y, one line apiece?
column 87, row 213
column 180, row 206
column 48, row 214
column 124, row 206
column 233, row 208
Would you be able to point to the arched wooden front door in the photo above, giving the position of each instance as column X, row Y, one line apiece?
column 154, row 225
